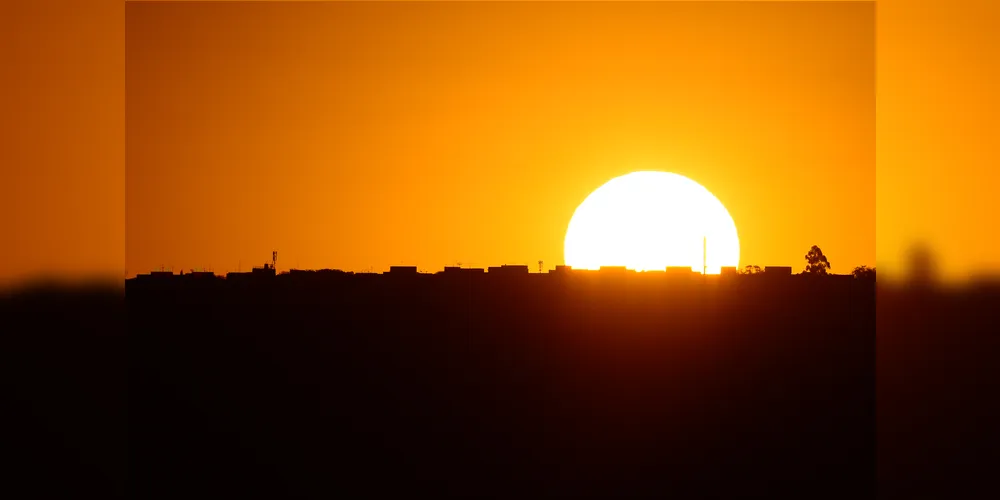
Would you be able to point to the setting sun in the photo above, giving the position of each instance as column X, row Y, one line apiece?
column 648, row 221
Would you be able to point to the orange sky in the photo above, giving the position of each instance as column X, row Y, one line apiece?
column 62, row 129
column 353, row 135
column 937, row 175
column 62, row 142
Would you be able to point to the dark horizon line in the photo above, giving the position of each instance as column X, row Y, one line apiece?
column 504, row 268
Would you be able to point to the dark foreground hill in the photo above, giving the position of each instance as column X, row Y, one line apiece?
column 480, row 386
column 938, row 373
column 64, row 382
column 358, row 386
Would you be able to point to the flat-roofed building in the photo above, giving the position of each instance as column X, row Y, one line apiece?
column 509, row 269
column 158, row 277
column 456, row 271
column 778, row 270
column 403, row 270
column 200, row 275
column 266, row 271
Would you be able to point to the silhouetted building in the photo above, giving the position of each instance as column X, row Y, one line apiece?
column 454, row 270
column 315, row 273
column 267, row 270
column 777, row 270
column 562, row 269
column 200, row 275
column 256, row 275
column 156, row 277
column 403, row 270
column 509, row 269
column 728, row 271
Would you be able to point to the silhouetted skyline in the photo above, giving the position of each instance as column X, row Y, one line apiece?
column 603, row 384
column 361, row 135
column 816, row 260
column 435, row 151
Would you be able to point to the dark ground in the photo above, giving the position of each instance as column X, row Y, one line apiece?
column 491, row 386
column 572, row 386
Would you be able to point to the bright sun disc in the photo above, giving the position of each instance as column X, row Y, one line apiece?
column 648, row 221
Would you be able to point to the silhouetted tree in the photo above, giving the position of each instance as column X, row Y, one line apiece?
column 923, row 269
column 751, row 270
column 816, row 262
column 864, row 272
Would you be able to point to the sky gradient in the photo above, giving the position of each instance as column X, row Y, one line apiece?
column 63, row 144
column 356, row 136
column 62, row 131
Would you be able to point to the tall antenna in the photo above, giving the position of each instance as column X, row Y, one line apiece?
column 704, row 255
column 274, row 259
column 539, row 267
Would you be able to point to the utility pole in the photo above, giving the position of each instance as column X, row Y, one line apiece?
column 704, row 255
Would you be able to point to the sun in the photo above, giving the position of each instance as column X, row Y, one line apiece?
column 648, row 221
